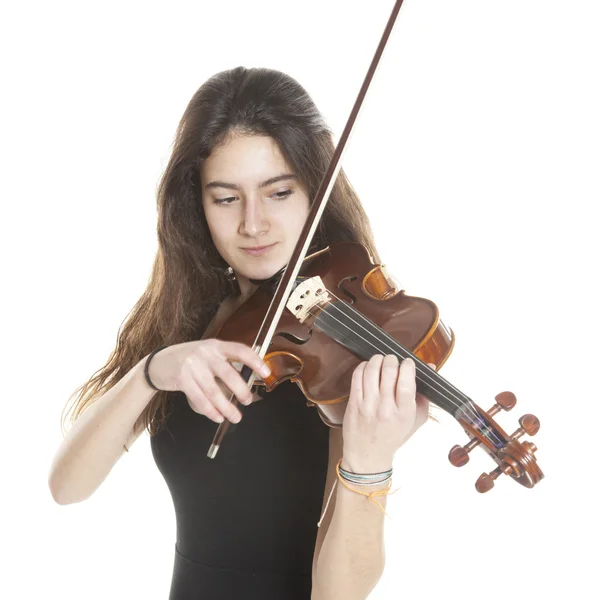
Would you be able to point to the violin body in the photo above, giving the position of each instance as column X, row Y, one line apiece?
column 344, row 309
column 320, row 365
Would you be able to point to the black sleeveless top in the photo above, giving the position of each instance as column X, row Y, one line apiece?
column 247, row 519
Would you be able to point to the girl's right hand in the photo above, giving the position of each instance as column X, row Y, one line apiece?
column 192, row 368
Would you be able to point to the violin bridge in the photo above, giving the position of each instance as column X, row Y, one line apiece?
column 307, row 297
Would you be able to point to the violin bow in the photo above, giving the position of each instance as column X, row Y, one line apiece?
column 288, row 278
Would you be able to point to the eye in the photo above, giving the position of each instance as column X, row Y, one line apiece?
column 276, row 196
column 224, row 200
column 282, row 195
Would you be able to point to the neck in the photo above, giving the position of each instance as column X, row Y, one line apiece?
column 246, row 289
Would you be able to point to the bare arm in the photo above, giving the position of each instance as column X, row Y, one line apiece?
column 96, row 441
column 351, row 559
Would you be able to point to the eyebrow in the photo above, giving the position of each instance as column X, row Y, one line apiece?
column 264, row 184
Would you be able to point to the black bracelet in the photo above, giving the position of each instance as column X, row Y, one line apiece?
column 148, row 364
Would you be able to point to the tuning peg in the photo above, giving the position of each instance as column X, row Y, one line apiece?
column 504, row 401
column 459, row 455
column 530, row 425
column 485, row 482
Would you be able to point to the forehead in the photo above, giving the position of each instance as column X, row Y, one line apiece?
column 244, row 160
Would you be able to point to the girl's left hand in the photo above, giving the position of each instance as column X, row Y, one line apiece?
column 383, row 411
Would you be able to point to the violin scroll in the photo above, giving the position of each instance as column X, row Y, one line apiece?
column 459, row 455
column 514, row 458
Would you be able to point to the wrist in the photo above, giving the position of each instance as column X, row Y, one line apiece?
column 151, row 379
column 364, row 466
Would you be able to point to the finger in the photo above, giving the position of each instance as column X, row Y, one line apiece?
column 198, row 401
column 231, row 377
column 205, row 379
column 371, row 382
column 356, row 385
column 389, row 378
column 406, row 388
column 422, row 407
column 237, row 351
column 432, row 366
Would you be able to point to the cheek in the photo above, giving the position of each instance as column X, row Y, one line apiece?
column 302, row 214
column 295, row 224
column 298, row 210
column 219, row 225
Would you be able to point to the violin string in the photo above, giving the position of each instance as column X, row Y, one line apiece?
column 433, row 376
column 427, row 370
column 418, row 363
column 420, row 370
column 399, row 349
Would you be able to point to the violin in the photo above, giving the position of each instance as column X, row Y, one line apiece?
column 323, row 314
column 343, row 310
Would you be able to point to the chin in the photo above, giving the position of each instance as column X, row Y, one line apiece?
column 262, row 271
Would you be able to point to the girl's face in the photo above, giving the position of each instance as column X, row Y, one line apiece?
column 251, row 198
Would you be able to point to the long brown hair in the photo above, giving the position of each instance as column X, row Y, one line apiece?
column 188, row 280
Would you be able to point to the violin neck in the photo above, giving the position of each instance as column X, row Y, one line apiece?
column 340, row 321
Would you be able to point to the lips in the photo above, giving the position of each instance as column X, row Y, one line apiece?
column 258, row 247
column 258, row 250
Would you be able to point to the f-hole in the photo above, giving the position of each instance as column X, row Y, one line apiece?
column 293, row 338
column 341, row 287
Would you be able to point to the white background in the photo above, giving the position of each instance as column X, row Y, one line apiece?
column 476, row 157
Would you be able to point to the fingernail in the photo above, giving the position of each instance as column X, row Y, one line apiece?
column 265, row 371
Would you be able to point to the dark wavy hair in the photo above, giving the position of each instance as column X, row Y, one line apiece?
column 188, row 280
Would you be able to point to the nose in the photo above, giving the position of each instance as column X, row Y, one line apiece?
column 254, row 218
